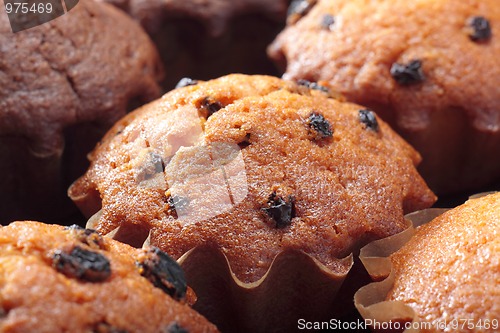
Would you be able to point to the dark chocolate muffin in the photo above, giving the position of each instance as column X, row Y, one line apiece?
column 63, row 84
column 428, row 68
column 55, row 279
column 210, row 38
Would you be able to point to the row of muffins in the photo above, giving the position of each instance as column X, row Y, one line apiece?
column 423, row 78
column 57, row 279
column 432, row 114
column 282, row 144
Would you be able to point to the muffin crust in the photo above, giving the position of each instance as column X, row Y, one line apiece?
column 421, row 66
column 450, row 269
column 252, row 165
column 39, row 291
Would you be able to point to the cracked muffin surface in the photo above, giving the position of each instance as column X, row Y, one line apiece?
column 56, row 279
column 420, row 65
column 252, row 165
column 63, row 84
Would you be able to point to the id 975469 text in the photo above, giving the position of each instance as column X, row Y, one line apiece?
column 25, row 8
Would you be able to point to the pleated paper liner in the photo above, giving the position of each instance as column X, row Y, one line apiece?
column 370, row 300
column 296, row 286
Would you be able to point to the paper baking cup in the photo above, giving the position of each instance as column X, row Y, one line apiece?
column 295, row 287
column 370, row 300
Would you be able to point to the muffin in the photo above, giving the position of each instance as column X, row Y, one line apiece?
column 417, row 64
column 252, row 167
column 56, row 279
column 211, row 38
column 441, row 276
column 450, row 269
column 64, row 83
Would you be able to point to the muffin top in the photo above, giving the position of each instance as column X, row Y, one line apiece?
column 215, row 15
column 56, row 279
column 405, row 59
column 253, row 165
column 450, row 269
column 67, row 71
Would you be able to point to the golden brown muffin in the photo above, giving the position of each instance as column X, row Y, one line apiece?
column 55, row 279
column 254, row 166
column 63, row 84
column 429, row 68
column 206, row 39
column 450, row 270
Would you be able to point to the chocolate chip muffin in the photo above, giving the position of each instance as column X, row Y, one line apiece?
column 211, row 38
column 254, row 165
column 63, row 84
column 420, row 65
column 57, row 279
column 450, row 270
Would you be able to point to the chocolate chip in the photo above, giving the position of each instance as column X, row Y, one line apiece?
column 368, row 118
column 327, row 22
column 245, row 142
column 410, row 73
column 279, row 210
column 319, row 126
column 175, row 328
column 164, row 273
column 210, row 107
column 298, row 9
column 176, row 203
column 481, row 29
column 82, row 264
column 313, row 85
column 186, row 81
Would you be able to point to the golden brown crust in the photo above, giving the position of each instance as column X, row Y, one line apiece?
column 450, row 268
column 341, row 186
column 451, row 116
column 38, row 293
